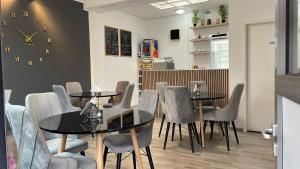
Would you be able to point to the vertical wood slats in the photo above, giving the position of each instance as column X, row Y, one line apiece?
column 216, row 79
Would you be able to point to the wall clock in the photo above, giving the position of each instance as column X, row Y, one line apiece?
column 25, row 39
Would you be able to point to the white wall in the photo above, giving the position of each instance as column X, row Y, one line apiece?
column 240, row 12
column 108, row 70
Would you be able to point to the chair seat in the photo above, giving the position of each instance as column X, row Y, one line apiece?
column 82, row 161
column 72, row 145
column 216, row 115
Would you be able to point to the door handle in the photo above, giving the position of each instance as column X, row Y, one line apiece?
column 267, row 133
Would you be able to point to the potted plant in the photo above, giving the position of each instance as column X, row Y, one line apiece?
column 195, row 17
column 223, row 13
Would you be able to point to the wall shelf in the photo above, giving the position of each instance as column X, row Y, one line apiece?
column 200, row 52
column 209, row 26
column 200, row 40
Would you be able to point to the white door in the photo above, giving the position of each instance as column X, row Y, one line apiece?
column 260, row 75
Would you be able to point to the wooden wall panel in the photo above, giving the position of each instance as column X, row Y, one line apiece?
column 216, row 79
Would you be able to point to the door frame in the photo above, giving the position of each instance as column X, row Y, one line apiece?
column 246, row 24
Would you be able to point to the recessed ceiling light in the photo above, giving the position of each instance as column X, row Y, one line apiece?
column 180, row 11
column 165, row 4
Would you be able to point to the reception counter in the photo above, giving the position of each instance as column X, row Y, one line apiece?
column 216, row 79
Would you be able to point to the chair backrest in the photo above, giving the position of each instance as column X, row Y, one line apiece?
column 32, row 149
column 147, row 103
column 43, row 105
column 178, row 105
column 64, row 98
column 120, row 88
column 232, row 108
column 74, row 87
column 160, row 88
column 203, row 86
column 126, row 100
column 7, row 94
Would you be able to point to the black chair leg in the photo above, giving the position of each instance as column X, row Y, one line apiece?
column 149, row 157
column 211, row 129
column 82, row 153
column 190, row 127
column 162, row 124
column 205, row 124
column 166, row 136
column 133, row 160
column 119, row 160
column 221, row 126
column 173, row 131
column 196, row 132
column 226, row 136
column 105, row 155
column 180, row 134
column 235, row 133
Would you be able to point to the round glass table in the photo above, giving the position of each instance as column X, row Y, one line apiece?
column 113, row 120
column 88, row 94
column 201, row 96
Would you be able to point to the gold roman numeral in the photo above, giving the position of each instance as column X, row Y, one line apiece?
column 13, row 15
column 17, row 58
column 29, row 62
column 25, row 13
column 7, row 49
column 47, row 51
column 4, row 23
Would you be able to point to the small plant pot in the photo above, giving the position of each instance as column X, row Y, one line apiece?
column 208, row 21
column 223, row 20
column 195, row 25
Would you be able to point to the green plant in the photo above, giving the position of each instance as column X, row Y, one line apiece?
column 223, row 12
column 195, row 17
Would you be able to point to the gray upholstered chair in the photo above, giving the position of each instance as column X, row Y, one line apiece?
column 120, row 88
column 179, row 110
column 227, row 114
column 43, row 105
column 64, row 99
column 121, row 143
column 75, row 87
column 126, row 100
column 160, row 88
column 32, row 148
column 7, row 95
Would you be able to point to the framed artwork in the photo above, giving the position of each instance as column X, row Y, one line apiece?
column 111, row 41
column 126, row 47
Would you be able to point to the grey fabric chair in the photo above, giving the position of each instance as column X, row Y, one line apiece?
column 160, row 88
column 43, row 105
column 179, row 110
column 121, row 143
column 64, row 99
column 227, row 114
column 32, row 148
column 126, row 100
column 7, row 94
column 120, row 88
column 75, row 87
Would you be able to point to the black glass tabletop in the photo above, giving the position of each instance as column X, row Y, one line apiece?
column 88, row 94
column 206, row 96
column 113, row 120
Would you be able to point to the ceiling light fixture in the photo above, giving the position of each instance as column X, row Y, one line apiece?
column 166, row 4
column 180, row 11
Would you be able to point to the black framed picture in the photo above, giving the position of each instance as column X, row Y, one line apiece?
column 111, row 41
column 126, row 47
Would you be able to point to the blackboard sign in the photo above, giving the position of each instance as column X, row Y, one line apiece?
column 111, row 41
column 126, row 49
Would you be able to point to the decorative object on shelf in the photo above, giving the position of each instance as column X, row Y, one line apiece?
column 126, row 46
column 202, row 22
column 208, row 21
column 111, row 41
column 199, row 37
column 21, row 24
column 217, row 21
column 195, row 67
column 223, row 13
column 150, row 48
column 195, row 18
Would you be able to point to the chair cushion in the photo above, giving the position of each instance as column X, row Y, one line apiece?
column 72, row 145
column 118, row 143
column 83, row 162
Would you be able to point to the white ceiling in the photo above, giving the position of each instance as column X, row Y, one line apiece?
column 145, row 11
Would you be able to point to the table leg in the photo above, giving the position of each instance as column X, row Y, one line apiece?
column 201, row 124
column 136, row 148
column 99, row 151
column 62, row 144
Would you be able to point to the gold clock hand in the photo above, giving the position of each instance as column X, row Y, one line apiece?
column 30, row 37
column 22, row 33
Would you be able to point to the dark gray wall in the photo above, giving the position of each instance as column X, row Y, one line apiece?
column 69, row 59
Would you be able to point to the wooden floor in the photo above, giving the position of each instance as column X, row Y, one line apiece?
column 253, row 152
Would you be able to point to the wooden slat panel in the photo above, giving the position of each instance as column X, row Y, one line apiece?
column 217, row 80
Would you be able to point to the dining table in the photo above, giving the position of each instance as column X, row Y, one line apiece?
column 93, row 94
column 200, row 97
column 112, row 120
